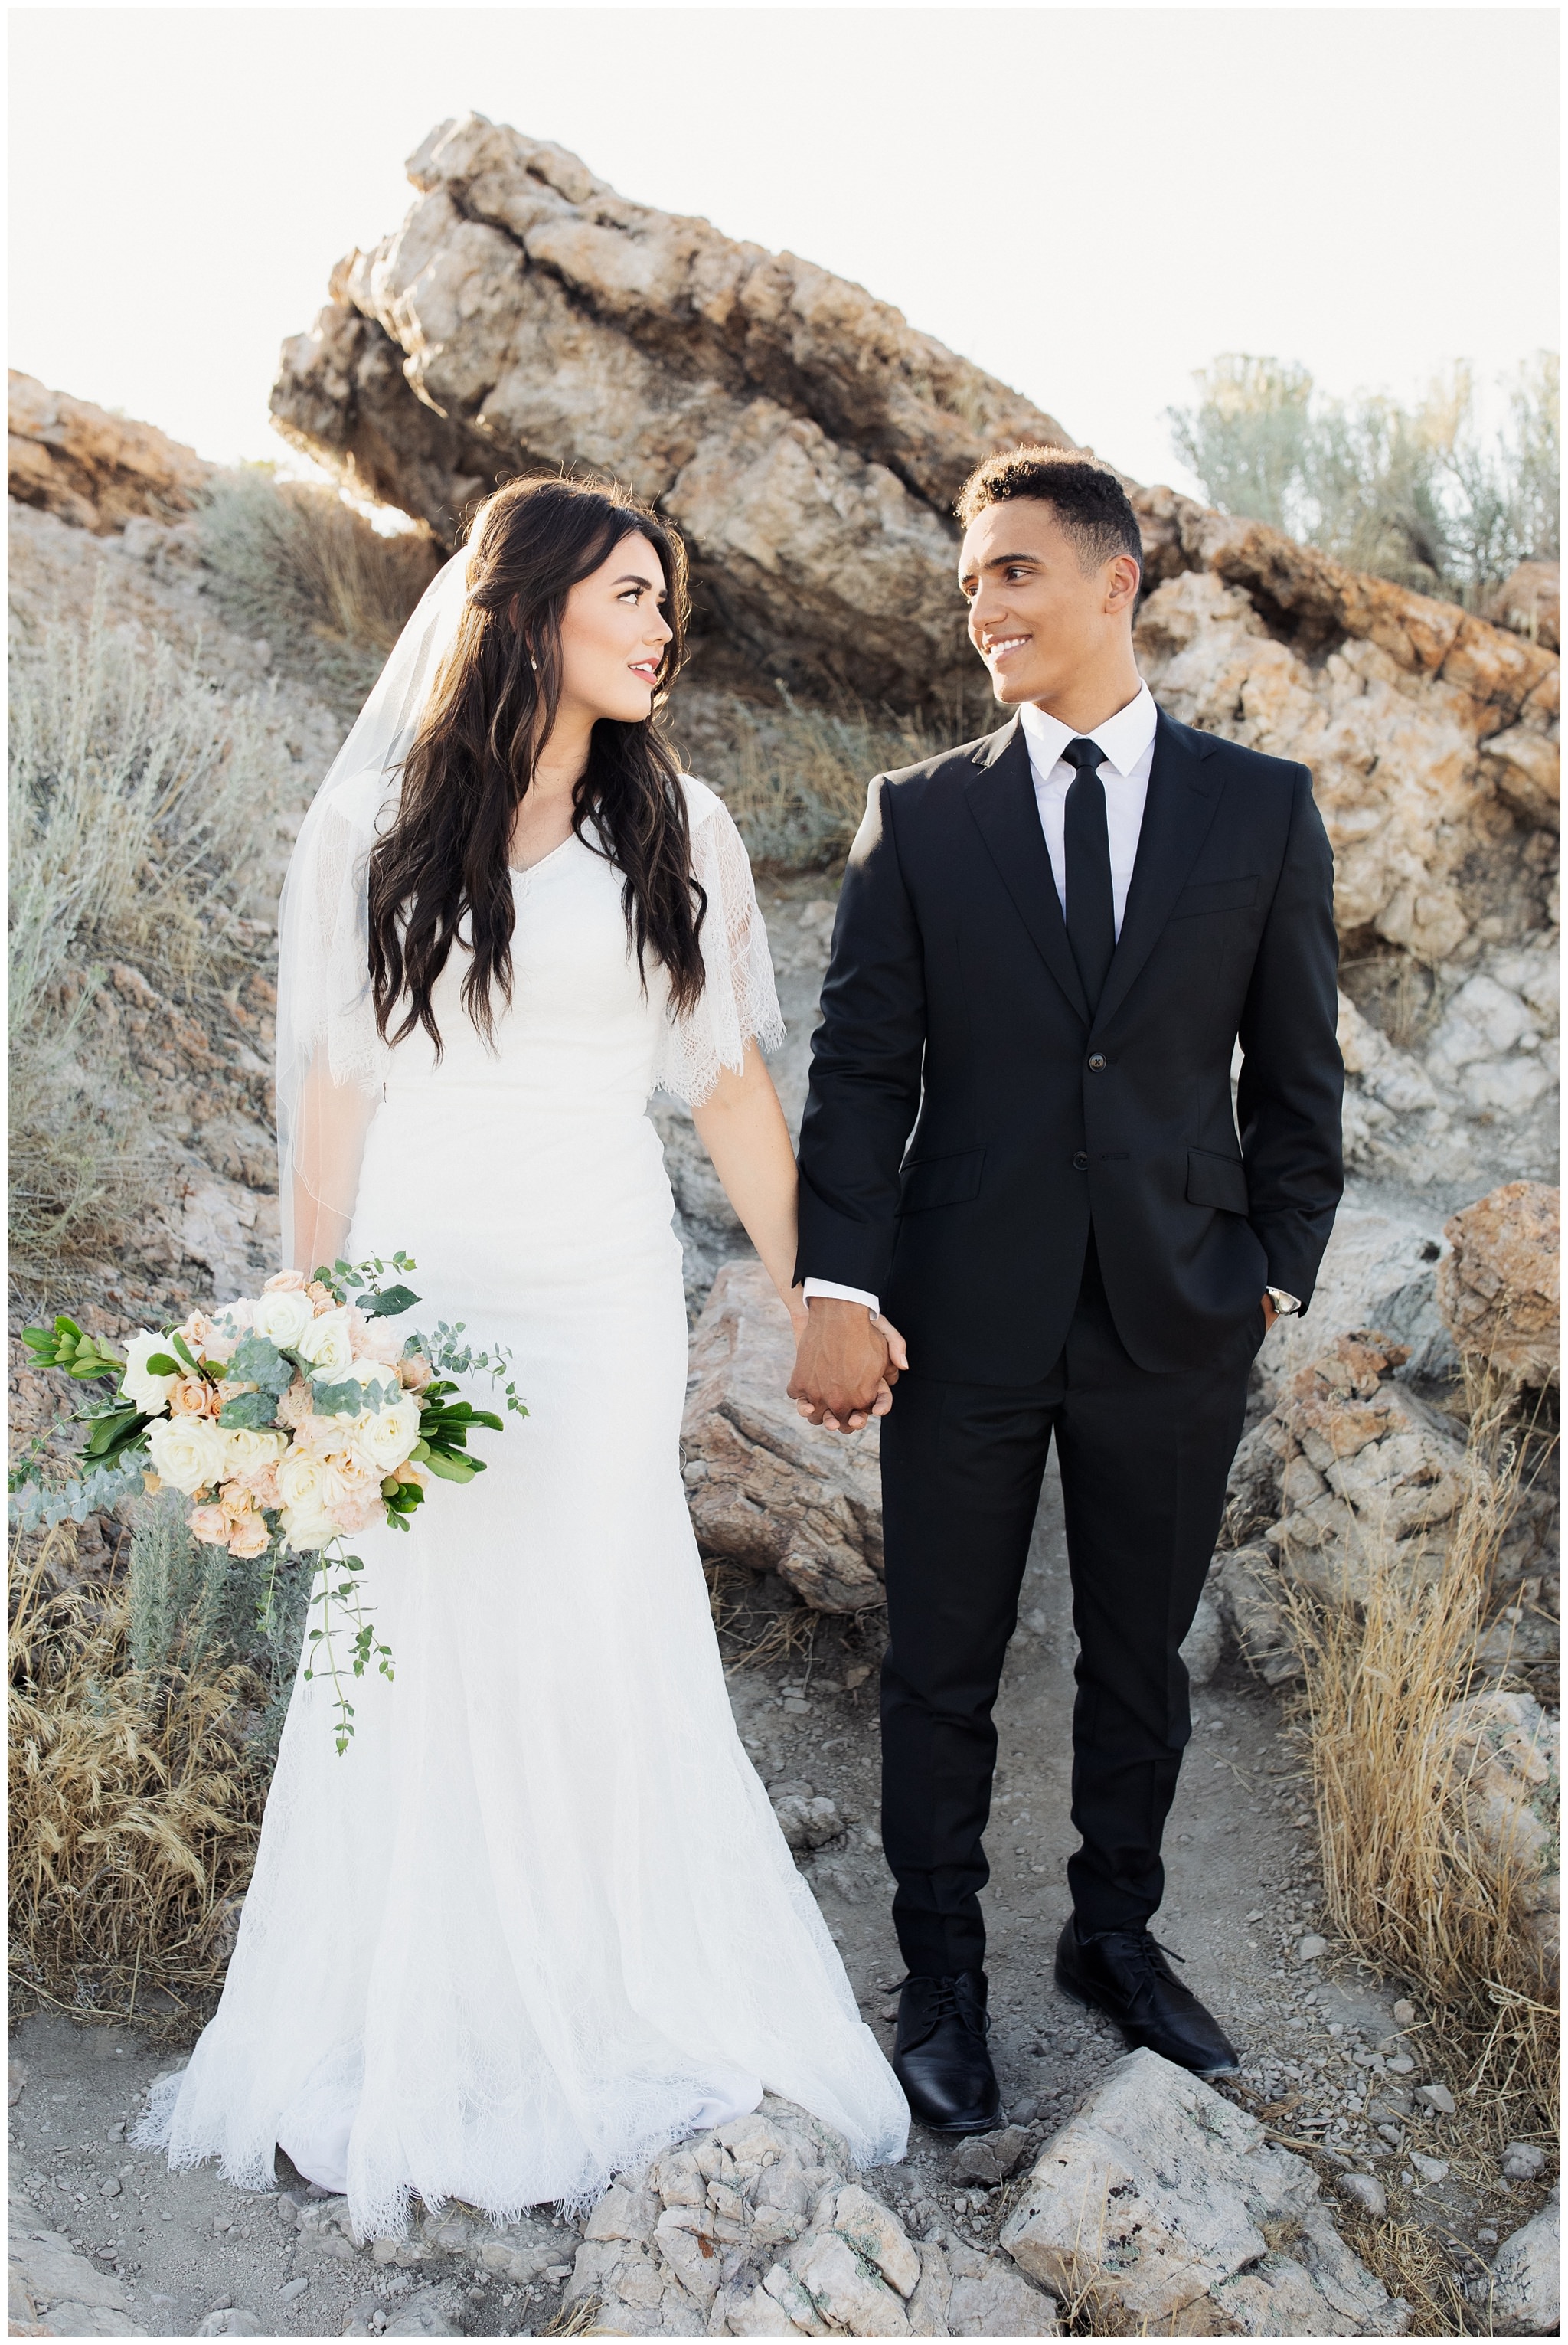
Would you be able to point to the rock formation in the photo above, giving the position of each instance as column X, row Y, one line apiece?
column 807, row 441
column 1159, row 2194
column 766, row 1488
column 96, row 470
column 1499, row 1288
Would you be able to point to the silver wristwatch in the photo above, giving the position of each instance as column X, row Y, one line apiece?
column 1284, row 1304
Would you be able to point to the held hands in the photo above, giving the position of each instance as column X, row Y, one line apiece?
column 846, row 1363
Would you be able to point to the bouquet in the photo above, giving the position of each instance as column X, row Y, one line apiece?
column 289, row 1420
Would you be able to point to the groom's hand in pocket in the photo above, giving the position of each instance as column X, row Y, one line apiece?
column 846, row 1363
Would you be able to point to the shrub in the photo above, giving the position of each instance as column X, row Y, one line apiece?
column 304, row 569
column 794, row 778
column 141, row 811
column 1418, row 494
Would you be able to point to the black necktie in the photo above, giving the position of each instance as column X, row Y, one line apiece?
column 1091, row 906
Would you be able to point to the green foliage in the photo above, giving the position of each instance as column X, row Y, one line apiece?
column 198, row 1608
column 65, row 1345
column 1418, row 494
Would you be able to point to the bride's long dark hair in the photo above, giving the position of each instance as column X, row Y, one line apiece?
column 442, row 865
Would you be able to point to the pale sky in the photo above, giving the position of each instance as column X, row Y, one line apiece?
column 1089, row 202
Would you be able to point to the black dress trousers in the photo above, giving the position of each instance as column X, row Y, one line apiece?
column 1144, row 1461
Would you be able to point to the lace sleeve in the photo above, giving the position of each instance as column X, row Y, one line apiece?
column 739, row 1004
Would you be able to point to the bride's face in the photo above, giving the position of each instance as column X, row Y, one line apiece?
column 612, row 635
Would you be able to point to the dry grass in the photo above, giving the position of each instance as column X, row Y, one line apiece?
column 142, row 812
column 753, row 1633
column 134, row 1805
column 1412, row 1885
column 297, row 566
column 794, row 778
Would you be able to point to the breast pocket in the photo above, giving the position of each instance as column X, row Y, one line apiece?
column 1215, row 896
column 1216, row 1180
column 940, row 1180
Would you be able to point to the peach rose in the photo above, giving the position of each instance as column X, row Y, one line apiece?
column 285, row 1281
column 262, row 1487
column 209, row 1524
column 251, row 1536
column 322, row 1297
column 373, row 1340
column 415, row 1372
column 193, row 1396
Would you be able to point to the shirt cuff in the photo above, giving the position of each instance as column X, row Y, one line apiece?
column 835, row 1294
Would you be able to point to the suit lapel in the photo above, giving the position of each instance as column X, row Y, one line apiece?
column 1001, row 798
column 1183, row 800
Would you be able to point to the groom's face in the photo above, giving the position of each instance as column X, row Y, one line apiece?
column 1037, row 617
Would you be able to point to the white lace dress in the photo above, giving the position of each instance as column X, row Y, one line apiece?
column 538, row 1920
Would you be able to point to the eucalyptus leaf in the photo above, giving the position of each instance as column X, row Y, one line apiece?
column 346, row 1398
column 257, row 1361
column 255, row 1409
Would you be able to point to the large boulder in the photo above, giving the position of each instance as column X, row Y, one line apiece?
column 766, row 1488
column 94, row 470
column 805, row 439
column 1159, row 2195
column 1500, row 1287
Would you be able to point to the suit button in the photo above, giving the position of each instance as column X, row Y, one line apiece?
column 1080, row 1162
column 1096, row 1062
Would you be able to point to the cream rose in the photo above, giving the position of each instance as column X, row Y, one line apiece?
column 327, row 1343
column 149, row 1393
column 282, row 1315
column 188, row 1451
column 300, row 1480
column 384, row 1436
column 250, row 1449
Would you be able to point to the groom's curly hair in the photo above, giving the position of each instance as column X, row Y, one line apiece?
column 441, row 871
column 1089, row 501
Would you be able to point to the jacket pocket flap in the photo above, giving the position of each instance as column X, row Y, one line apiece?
column 1215, row 896
column 1218, row 1181
column 940, row 1180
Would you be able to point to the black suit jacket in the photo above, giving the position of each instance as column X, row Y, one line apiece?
column 967, row 1117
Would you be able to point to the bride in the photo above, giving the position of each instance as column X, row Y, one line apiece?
column 539, row 1922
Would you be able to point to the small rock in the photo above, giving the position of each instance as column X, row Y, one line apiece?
column 989, row 2158
column 1438, row 2098
column 1365, row 2190
column 1522, row 2161
column 1527, row 2272
column 1402, row 2064
column 109, row 2188
column 231, row 2320
column 291, row 2289
column 1404, row 2013
column 1430, row 2170
column 1310, row 1947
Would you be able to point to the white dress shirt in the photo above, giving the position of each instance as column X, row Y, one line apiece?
column 1127, row 740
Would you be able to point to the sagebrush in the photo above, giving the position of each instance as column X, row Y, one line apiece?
column 1422, row 494
column 143, row 810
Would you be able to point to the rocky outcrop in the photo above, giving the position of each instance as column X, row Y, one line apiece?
column 766, row 1488
column 1160, row 2196
column 1500, row 1287
column 805, row 439
column 1350, row 1475
column 1530, row 600
column 53, row 2291
column 759, row 2228
column 96, row 470
column 1506, row 1771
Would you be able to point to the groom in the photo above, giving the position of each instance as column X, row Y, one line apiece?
column 1019, row 1140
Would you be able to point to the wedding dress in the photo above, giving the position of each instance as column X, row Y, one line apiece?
column 539, row 1921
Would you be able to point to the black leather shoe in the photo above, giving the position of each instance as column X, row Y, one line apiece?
column 940, row 2056
column 1124, row 1974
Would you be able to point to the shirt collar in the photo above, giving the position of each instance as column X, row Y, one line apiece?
column 1124, row 738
